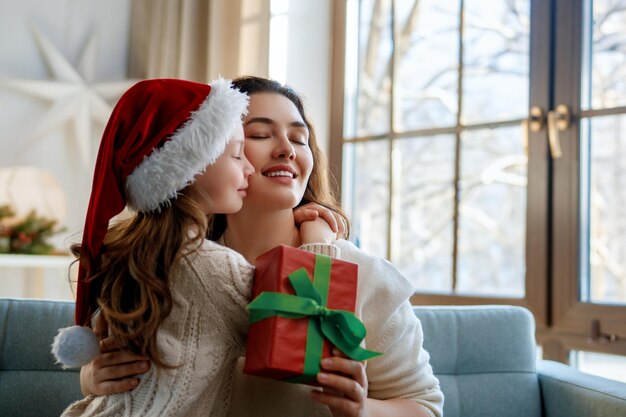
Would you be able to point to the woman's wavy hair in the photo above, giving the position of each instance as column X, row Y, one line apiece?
column 131, row 273
column 318, row 189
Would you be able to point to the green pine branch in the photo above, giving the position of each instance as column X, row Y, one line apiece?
column 28, row 236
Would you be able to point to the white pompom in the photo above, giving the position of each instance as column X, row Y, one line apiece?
column 75, row 346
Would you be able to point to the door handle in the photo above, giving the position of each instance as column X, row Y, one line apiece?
column 559, row 120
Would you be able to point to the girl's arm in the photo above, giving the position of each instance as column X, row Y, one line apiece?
column 313, row 211
column 316, row 231
column 319, row 228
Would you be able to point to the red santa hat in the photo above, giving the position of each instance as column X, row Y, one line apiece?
column 161, row 134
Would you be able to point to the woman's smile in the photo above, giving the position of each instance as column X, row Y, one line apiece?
column 283, row 174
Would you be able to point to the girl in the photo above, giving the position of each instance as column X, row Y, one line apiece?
column 173, row 152
column 289, row 172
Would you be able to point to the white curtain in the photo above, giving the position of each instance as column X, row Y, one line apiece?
column 198, row 39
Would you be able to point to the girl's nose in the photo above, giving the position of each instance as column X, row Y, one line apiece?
column 248, row 169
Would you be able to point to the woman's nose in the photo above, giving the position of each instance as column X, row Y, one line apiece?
column 284, row 149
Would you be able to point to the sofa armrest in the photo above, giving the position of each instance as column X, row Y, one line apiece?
column 567, row 392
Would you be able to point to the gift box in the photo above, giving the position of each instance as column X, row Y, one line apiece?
column 303, row 305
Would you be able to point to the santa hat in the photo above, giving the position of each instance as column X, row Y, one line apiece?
column 161, row 134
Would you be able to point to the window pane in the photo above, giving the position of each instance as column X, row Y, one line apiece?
column 600, row 364
column 427, row 56
column 366, row 172
column 496, row 60
column 370, row 91
column 492, row 213
column 604, row 54
column 603, row 222
column 423, row 211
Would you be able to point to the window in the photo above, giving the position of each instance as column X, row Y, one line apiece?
column 589, row 191
column 482, row 149
column 434, row 155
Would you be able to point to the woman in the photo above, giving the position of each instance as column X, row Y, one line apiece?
column 289, row 172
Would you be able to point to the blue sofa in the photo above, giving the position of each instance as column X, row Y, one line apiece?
column 484, row 357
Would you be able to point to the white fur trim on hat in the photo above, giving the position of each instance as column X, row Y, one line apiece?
column 75, row 346
column 196, row 144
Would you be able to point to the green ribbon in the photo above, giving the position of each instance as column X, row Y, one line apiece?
column 342, row 328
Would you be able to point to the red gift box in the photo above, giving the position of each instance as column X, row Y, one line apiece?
column 277, row 345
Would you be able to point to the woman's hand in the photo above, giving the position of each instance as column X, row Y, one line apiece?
column 313, row 211
column 114, row 370
column 345, row 390
column 112, row 373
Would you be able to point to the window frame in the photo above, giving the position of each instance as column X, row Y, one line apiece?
column 551, row 286
column 571, row 318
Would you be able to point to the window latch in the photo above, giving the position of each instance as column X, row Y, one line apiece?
column 597, row 335
column 534, row 123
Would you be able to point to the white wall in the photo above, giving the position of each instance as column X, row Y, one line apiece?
column 68, row 25
column 307, row 58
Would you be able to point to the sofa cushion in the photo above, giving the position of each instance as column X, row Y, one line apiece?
column 484, row 370
column 30, row 381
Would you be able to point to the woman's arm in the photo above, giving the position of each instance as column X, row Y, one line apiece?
column 404, row 370
column 112, row 372
column 397, row 407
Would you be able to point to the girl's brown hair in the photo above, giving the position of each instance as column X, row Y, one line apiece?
column 130, row 275
column 318, row 189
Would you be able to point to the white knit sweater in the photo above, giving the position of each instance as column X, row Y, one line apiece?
column 402, row 372
column 204, row 334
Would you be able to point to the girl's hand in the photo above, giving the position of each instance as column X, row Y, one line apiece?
column 313, row 211
column 345, row 390
column 114, row 369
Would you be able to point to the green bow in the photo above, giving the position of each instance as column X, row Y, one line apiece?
column 342, row 328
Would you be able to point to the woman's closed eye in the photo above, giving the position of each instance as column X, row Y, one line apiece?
column 259, row 136
column 299, row 140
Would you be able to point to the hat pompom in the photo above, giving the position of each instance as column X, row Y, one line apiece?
column 75, row 346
